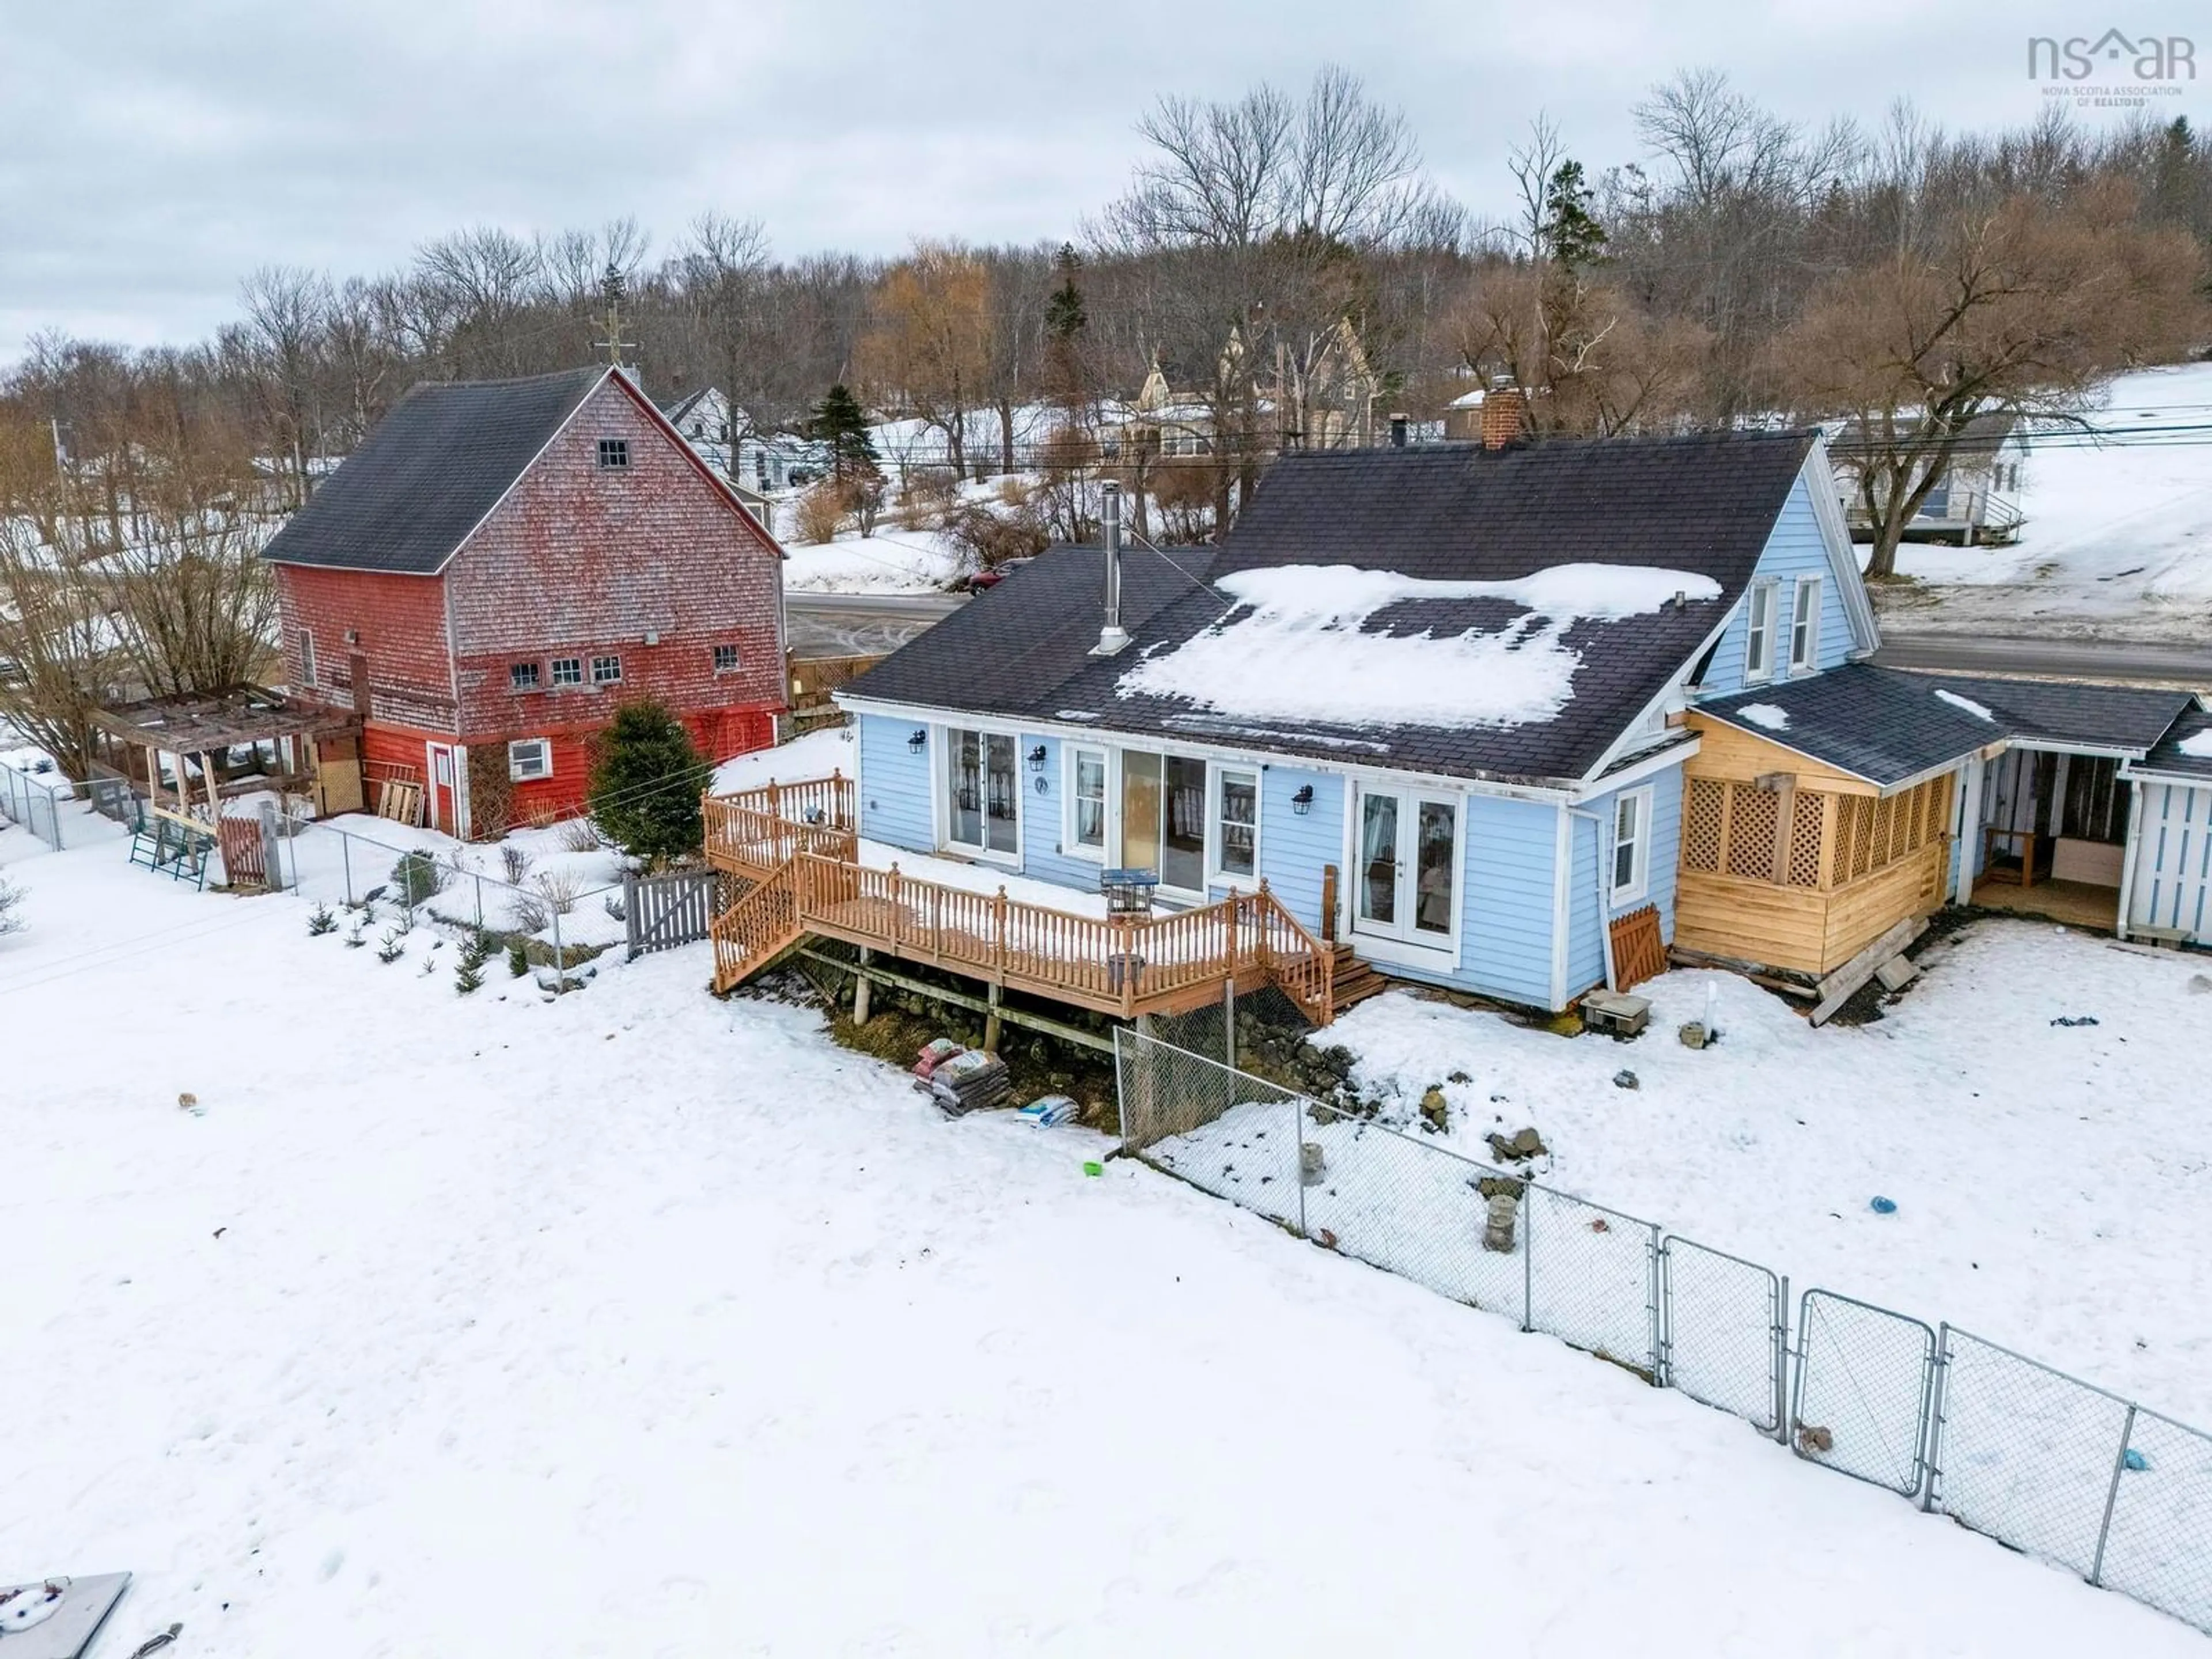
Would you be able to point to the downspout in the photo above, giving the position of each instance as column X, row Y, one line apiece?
column 1604, row 898
column 2128, row 854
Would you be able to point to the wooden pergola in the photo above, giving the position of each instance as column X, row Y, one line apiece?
column 206, row 729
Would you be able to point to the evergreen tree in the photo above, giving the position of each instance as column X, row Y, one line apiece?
column 1573, row 234
column 842, row 423
column 647, row 778
column 1064, row 314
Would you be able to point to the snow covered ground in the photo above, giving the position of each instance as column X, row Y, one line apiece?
column 890, row 561
column 636, row 1324
column 2119, row 537
column 2053, row 1184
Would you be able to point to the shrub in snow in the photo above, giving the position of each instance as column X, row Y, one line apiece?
column 989, row 539
column 558, row 888
column 11, row 898
column 579, row 836
column 517, row 959
column 647, row 778
column 530, row 914
column 820, row 512
column 415, row 878
column 321, row 922
column 394, row 945
column 517, row 862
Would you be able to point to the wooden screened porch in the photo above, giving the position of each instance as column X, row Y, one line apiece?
column 796, row 849
column 1791, row 865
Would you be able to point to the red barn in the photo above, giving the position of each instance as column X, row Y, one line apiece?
column 500, row 564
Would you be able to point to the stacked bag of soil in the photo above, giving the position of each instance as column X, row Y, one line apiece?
column 962, row 1080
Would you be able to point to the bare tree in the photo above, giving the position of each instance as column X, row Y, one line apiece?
column 2024, row 312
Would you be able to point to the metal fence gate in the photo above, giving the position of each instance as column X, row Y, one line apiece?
column 664, row 911
column 1724, row 1336
column 1864, row 1375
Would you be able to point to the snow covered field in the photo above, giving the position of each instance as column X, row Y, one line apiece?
column 638, row 1323
column 2053, row 1184
column 2119, row 537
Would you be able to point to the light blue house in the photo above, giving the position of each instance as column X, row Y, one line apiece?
column 1433, row 697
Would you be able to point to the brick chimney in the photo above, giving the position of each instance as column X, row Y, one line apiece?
column 1504, row 414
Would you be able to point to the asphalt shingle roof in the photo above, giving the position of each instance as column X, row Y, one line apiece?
column 2168, row 756
column 426, row 476
column 1704, row 505
column 1887, row 724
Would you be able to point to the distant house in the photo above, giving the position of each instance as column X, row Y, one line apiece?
column 1975, row 498
column 763, row 463
column 500, row 564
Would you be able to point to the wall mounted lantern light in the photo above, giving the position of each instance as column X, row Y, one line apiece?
column 1302, row 802
column 1037, row 758
column 920, row 740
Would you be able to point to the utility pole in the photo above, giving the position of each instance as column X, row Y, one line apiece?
column 611, row 290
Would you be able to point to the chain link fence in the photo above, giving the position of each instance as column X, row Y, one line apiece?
column 1726, row 1342
column 1864, row 1376
column 2041, row 1461
column 59, row 812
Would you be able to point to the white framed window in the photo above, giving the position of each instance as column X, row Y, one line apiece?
column 522, row 677
column 1085, row 829
column 1236, row 825
column 1805, row 626
column 1758, row 633
column 308, row 657
column 529, row 759
column 1632, row 845
column 567, row 671
column 614, row 453
column 606, row 671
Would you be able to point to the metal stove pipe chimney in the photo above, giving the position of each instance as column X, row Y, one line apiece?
column 1112, row 639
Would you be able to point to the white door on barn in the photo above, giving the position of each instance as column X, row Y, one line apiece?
column 445, row 804
column 2170, row 886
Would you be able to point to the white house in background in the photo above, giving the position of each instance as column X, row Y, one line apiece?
column 765, row 464
column 1976, row 499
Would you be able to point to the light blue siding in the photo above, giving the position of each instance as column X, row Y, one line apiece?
column 1586, row 949
column 1796, row 548
column 894, row 785
column 1044, row 819
column 1508, row 849
column 1294, row 849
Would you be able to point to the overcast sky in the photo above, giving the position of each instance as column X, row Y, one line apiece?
column 151, row 153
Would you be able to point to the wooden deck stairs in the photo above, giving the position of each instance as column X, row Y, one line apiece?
column 796, row 847
column 1353, row 980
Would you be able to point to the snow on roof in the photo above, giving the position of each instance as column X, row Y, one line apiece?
column 1299, row 647
column 1979, row 711
column 2197, row 745
column 1766, row 714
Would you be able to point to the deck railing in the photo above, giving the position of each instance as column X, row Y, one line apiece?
column 754, row 831
column 1118, row 965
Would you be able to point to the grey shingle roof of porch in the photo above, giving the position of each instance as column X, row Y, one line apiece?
column 1890, row 725
column 1705, row 505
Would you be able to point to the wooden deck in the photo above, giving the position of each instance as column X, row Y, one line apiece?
column 2076, row 903
column 798, row 853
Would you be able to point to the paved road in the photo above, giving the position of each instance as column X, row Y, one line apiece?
column 862, row 624
column 2159, row 661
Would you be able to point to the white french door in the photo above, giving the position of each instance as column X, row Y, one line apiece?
column 1405, row 866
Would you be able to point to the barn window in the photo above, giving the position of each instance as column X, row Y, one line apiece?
column 567, row 671
column 1631, row 840
column 1758, row 633
column 307, row 657
column 726, row 659
column 529, row 759
column 614, row 452
column 522, row 677
column 606, row 670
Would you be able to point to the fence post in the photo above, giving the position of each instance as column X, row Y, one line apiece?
column 1527, row 1255
column 345, row 852
column 479, row 884
column 54, row 812
column 630, row 912
column 1931, row 1407
column 1781, row 1359
column 1663, row 1324
column 1658, row 1363
column 1297, row 1152
column 272, row 850
column 560, row 959
column 2113, row 1496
